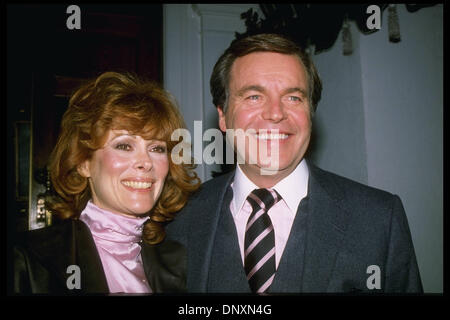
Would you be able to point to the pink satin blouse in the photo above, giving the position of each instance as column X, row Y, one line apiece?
column 117, row 240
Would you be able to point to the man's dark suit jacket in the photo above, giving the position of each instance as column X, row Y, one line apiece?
column 342, row 229
column 41, row 259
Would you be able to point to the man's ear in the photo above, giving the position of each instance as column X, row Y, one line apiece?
column 222, row 122
column 83, row 169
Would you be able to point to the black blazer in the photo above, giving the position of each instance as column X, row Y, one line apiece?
column 341, row 232
column 41, row 259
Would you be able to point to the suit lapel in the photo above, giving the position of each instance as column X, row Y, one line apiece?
column 288, row 277
column 327, row 222
column 93, row 277
column 202, row 234
column 226, row 271
column 165, row 266
column 65, row 244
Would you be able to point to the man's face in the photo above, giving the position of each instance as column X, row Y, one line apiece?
column 268, row 92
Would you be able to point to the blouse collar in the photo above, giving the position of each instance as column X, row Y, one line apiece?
column 112, row 226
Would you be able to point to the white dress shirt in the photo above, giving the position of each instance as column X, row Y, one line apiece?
column 292, row 189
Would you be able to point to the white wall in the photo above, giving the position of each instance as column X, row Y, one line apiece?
column 339, row 143
column 380, row 120
column 403, row 102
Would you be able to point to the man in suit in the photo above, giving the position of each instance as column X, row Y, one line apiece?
column 286, row 225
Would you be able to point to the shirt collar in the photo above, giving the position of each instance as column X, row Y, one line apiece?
column 293, row 188
column 242, row 186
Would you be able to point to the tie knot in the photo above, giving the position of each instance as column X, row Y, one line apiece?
column 263, row 198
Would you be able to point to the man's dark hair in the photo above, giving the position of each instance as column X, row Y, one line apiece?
column 220, row 77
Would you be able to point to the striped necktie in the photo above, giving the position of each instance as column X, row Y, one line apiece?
column 259, row 244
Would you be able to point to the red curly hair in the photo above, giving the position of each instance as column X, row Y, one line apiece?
column 121, row 102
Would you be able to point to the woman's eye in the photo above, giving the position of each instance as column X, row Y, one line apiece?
column 123, row 146
column 159, row 149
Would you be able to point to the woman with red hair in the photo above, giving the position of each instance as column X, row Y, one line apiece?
column 116, row 186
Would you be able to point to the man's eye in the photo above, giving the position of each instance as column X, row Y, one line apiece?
column 294, row 98
column 254, row 97
column 123, row 146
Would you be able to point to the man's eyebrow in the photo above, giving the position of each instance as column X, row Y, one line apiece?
column 296, row 89
column 243, row 90
column 258, row 88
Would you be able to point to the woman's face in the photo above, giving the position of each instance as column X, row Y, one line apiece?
column 127, row 175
